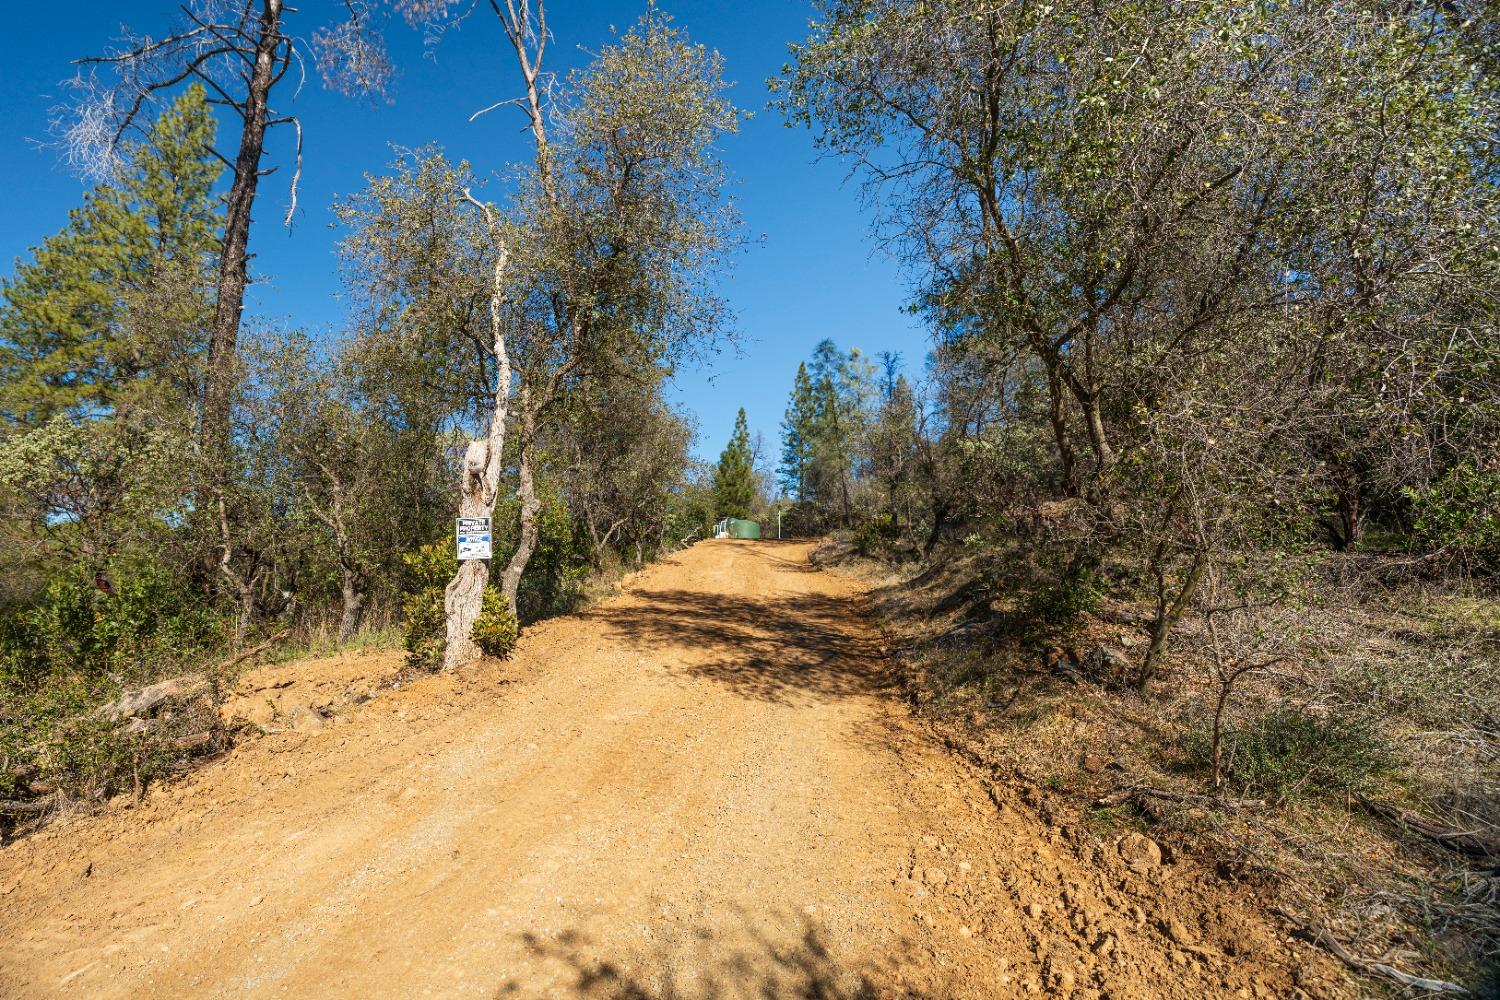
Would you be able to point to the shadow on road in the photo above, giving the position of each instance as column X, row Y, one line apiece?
column 785, row 960
column 770, row 648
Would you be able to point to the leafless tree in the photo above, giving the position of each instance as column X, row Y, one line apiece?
column 242, row 52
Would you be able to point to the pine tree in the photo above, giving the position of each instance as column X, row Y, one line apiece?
column 893, row 446
column 798, row 432
column 117, row 302
column 734, row 479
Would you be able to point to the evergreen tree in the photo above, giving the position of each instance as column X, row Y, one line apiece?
column 118, row 301
column 798, row 431
column 893, row 446
column 734, row 479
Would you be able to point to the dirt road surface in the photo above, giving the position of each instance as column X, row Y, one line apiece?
column 703, row 787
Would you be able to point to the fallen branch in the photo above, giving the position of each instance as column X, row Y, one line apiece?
column 135, row 703
column 1481, row 844
column 239, row 658
column 25, row 808
column 197, row 741
column 1215, row 801
column 1323, row 936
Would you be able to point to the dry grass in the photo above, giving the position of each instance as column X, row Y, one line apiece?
column 1396, row 695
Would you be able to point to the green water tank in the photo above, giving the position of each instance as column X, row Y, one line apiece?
column 743, row 529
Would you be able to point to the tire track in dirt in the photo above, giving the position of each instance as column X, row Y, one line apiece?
column 701, row 787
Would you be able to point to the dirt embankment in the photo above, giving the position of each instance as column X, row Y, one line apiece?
column 702, row 787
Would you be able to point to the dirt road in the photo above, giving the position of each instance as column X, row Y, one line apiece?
column 700, row 788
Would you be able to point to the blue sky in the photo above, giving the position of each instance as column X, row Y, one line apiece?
column 810, row 273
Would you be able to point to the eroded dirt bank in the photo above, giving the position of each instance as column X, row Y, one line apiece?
column 702, row 787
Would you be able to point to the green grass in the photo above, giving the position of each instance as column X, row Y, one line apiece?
column 1288, row 753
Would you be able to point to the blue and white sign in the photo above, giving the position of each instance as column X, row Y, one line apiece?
column 474, row 538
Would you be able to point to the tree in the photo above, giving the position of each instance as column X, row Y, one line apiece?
column 622, row 457
column 1099, row 204
column 360, row 471
column 893, row 447
column 798, row 431
column 239, row 52
column 111, row 310
column 734, row 479
column 601, row 255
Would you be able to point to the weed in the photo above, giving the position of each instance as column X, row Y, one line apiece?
column 1288, row 753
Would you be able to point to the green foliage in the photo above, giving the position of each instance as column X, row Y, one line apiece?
column 152, row 624
column 1056, row 608
column 116, row 304
column 1288, row 753
column 876, row 534
column 54, row 729
column 429, row 568
column 734, row 479
column 95, row 488
column 496, row 629
column 798, row 433
column 1461, row 513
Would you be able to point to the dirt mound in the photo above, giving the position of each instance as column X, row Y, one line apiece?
column 702, row 787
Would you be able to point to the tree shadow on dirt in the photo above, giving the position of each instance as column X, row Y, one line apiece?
column 744, row 960
column 768, row 648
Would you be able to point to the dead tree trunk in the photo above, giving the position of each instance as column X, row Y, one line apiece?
column 266, row 68
column 480, row 479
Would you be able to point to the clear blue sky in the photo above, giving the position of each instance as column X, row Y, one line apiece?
column 810, row 274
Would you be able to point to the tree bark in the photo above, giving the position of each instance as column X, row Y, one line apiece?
column 1058, row 414
column 510, row 580
column 478, row 482
column 1104, row 453
column 354, row 605
column 1168, row 614
column 229, row 302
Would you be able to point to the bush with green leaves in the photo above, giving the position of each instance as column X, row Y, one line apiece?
column 1288, row 753
column 1057, row 608
column 429, row 568
column 132, row 624
column 1461, row 513
column 876, row 534
column 496, row 629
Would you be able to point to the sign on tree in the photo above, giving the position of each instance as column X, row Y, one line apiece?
column 474, row 538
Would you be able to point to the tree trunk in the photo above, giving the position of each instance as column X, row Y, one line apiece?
column 510, row 580
column 229, row 300
column 464, row 597
column 354, row 606
column 1168, row 614
column 1218, row 736
column 1058, row 414
column 1104, row 453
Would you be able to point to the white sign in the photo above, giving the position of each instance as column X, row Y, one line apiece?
column 474, row 538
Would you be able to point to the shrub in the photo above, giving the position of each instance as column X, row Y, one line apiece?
column 1286, row 753
column 1461, row 512
column 496, row 628
column 1059, row 607
column 423, row 632
column 148, row 626
column 876, row 534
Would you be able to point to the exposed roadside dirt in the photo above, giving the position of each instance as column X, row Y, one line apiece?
column 704, row 787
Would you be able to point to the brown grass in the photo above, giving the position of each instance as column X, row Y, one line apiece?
column 1417, row 664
